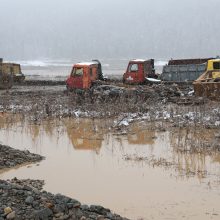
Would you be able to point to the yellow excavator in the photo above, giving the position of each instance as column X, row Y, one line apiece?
column 208, row 84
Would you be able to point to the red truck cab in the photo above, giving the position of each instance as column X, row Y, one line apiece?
column 83, row 75
column 138, row 70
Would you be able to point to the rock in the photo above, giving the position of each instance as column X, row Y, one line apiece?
column 100, row 217
column 43, row 214
column 49, row 205
column 70, row 205
column 11, row 157
column 11, row 215
column 58, row 215
column 84, row 207
column 7, row 210
column 44, row 206
column 65, row 217
column 29, row 200
column 99, row 209
column 110, row 215
column 76, row 205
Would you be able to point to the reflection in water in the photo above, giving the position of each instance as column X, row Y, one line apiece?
column 85, row 136
column 184, row 147
column 82, row 151
column 193, row 150
column 140, row 136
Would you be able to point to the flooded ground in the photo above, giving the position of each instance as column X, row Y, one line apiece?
column 143, row 173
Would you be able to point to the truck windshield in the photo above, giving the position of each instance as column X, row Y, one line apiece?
column 77, row 72
column 216, row 65
column 133, row 67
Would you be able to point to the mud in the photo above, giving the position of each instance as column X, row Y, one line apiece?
column 171, row 103
column 162, row 136
column 24, row 199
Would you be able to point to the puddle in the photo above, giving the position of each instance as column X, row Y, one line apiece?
column 143, row 174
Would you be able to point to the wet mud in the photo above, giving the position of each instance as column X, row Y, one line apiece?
column 157, row 146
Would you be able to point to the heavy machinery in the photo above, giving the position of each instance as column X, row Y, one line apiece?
column 208, row 84
column 18, row 76
column 138, row 71
column 6, row 75
column 84, row 74
column 183, row 70
column 10, row 73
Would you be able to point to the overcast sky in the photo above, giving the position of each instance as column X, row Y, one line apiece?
column 60, row 29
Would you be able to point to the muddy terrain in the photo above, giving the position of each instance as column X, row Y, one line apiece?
column 24, row 199
column 170, row 102
column 142, row 115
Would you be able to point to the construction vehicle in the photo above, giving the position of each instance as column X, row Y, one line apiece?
column 183, row 70
column 6, row 75
column 18, row 76
column 208, row 84
column 138, row 71
column 84, row 74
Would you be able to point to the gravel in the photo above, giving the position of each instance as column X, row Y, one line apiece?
column 11, row 157
column 24, row 199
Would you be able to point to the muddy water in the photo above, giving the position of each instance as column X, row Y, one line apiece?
column 141, row 174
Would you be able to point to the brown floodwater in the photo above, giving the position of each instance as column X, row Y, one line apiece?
column 140, row 174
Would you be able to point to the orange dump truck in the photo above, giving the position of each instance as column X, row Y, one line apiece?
column 84, row 74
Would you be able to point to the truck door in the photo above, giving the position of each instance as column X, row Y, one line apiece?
column 133, row 69
column 77, row 74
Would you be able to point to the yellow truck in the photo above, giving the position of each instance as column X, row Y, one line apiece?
column 6, row 75
column 10, row 73
column 18, row 76
column 208, row 84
